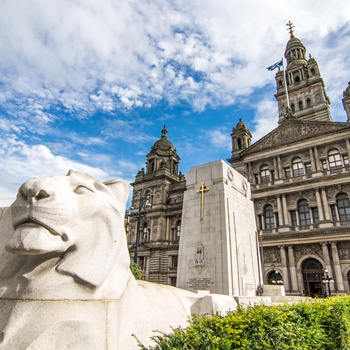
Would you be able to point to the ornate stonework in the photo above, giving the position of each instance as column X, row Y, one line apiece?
column 344, row 250
column 307, row 250
column 293, row 131
column 272, row 255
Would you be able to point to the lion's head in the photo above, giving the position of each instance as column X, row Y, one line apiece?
column 76, row 217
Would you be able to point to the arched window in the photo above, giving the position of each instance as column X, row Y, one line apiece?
column 274, row 277
column 265, row 174
column 300, row 103
column 308, row 103
column 298, row 168
column 334, row 160
column 304, row 212
column 313, row 71
column 343, row 205
column 293, row 107
column 269, row 218
column 280, row 84
column 239, row 144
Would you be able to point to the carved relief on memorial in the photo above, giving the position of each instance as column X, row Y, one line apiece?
column 344, row 250
column 305, row 250
column 199, row 261
column 272, row 255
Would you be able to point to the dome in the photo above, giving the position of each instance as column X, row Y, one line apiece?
column 163, row 144
column 347, row 90
column 293, row 43
column 241, row 125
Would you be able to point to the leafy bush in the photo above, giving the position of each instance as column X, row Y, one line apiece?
column 136, row 271
column 322, row 324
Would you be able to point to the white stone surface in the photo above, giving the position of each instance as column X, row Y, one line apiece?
column 65, row 281
column 219, row 251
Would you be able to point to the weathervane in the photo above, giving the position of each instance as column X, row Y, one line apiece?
column 290, row 28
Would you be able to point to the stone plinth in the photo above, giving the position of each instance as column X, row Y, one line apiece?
column 218, row 243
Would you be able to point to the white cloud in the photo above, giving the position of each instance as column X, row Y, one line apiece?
column 110, row 54
column 265, row 119
column 220, row 138
column 88, row 56
column 19, row 159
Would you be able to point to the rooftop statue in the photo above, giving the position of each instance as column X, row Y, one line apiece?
column 65, row 281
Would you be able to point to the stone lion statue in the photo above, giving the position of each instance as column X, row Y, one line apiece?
column 65, row 281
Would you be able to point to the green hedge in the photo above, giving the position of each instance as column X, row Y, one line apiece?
column 317, row 324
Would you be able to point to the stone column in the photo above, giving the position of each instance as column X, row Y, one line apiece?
column 284, row 268
column 348, row 147
column 313, row 164
column 317, row 159
column 325, row 204
column 279, row 209
column 337, row 269
column 327, row 261
column 247, row 174
column 251, row 176
column 285, row 210
column 292, row 270
column 280, row 172
column 319, row 205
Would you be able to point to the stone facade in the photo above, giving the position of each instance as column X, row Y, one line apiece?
column 156, row 213
column 301, row 183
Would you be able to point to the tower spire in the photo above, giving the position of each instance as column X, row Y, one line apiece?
column 290, row 28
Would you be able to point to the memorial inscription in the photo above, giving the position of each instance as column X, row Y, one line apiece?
column 204, row 283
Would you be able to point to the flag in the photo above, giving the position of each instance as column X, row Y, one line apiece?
column 276, row 65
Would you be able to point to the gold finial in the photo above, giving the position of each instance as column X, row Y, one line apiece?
column 290, row 28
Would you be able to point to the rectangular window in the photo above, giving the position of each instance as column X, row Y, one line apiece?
column 346, row 161
column 256, row 179
column 324, row 165
column 260, row 222
column 334, row 214
column 174, row 260
column 287, row 173
column 315, row 217
column 293, row 218
column 308, row 168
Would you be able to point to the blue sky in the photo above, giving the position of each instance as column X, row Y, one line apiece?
column 88, row 85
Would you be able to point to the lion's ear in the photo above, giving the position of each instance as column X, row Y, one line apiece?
column 120, row 189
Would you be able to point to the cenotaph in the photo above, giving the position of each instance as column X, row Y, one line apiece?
column 218, row 245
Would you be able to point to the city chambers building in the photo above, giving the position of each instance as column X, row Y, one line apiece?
column 300, row 187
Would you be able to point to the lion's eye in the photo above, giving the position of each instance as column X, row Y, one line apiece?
column 82, row 190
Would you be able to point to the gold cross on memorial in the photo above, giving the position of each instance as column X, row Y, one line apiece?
column 202, row 190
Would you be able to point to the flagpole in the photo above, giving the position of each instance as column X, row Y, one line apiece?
column 285, row 84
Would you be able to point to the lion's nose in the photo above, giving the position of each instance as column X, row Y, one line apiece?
column 31, row 191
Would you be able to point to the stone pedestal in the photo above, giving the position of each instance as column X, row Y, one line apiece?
column 218, row 244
